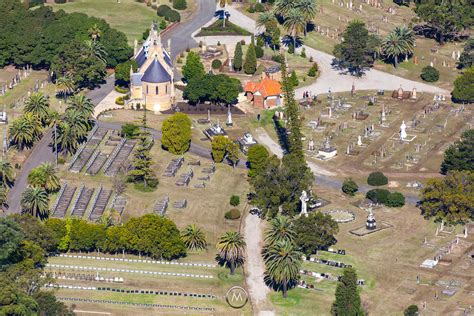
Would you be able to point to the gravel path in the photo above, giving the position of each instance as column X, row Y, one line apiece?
column 333, row 79
column 254, row 266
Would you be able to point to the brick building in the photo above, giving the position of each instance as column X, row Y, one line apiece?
column 264, row 94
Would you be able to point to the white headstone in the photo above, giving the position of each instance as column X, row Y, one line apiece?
column 403, row 132
column 304, row 206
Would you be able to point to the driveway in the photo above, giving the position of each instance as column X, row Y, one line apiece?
column 332, row 79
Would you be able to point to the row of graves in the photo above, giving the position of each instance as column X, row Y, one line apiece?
column 87, row 203
column 403, row 134
column 104, row 151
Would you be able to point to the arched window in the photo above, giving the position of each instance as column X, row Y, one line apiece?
column 146, row 89
column 166, row 89
column 156, row 90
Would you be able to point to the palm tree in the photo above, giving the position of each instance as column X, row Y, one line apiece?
column 400, row 41
column 96, row 49
column 281, row 228
column 25, row 130
column 64, row 86
column 308, row 10
column 231, row 247
column 283, row 7
column 37, row 105
column 283, row 264
column 295, row 24
column 6, row 173
column 82, row 104
column 193, row 237
column 264, row 18
column 223, row 4
column 67, row 138
column 35, row 201
column 35, row 125
column 51, row 180
column 95, row 32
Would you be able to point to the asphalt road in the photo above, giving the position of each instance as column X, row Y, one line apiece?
column 181, row 35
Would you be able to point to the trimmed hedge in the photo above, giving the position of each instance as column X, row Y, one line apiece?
column 232, row 214
column 382, row 196
column 234, row 200
column 429, row 74
column 119, row 101
column 120, row 89
column 377, row 179
column 168, row 14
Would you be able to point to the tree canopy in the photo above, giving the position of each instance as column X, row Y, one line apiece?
column 460, row 155
column 176, row 133
column 464, row 87
column 348, row 302
column 315, row 232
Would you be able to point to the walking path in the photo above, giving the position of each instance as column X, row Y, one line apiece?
column 332, row 79
column 254, row 266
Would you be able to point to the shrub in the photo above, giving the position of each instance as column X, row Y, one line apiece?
column 395, row 199
column 349, row 187
column 377, row 179
column 251, row 9
column 429, row 74
column 277, row 59
column 120, row 89
column 216, row 64
column 258, row 51
column 242, row 42
column 162, row 24
column 179, row 4
column 232, row 214
column 234, row 200
column 378, row 195
column 313, row 71
column 130, row 130
column 291, row 49
column 259, row 7
column 411, row 310
column 303, row 52
column 168, row 14
column 119, row 101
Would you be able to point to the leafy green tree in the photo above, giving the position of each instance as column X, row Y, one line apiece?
column 219, row 148
column 7, row 176
column 315, row 232
column 264, row 18
column 444, row 21
column 10, row 239
column 84, row 236
column 220, row 89
column 155, row 236
column 35, row 201
column 377, row 178
column 3, row 196
column 354, row 52
column 193, row 67
column 49, row 305
column 233, row 153
column 234, row 200
column 411, row 310
column 294, row 79
column 348, row 302
column 395, row 199
column 350, row 187
column 238, row 55
column 399, row 42
column 429, row 74
column 309, row 9
column 464, row 87
column 450, row 198
column 283, row 263
column 250, row 64
column 379, row 196
column 231, row 250
column 460, row 155
column 467, row 56
column 122, row 72
column 35, row 231
column 37, row 105
column 176, row 133
column 194, row 238
column 130, row 130
column 257, row 157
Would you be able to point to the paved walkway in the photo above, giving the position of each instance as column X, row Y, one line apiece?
column 332, row 79
column 108, row 103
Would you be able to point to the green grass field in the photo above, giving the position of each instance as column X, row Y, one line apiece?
column 128, row 16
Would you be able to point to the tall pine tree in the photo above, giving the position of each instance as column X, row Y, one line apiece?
column 238, row 55
column 142, row 172
column 296, row 172
column 347, row 301
column 250, row 65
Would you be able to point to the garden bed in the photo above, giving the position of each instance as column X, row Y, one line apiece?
column 216, row 29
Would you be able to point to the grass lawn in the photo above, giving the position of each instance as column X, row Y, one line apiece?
column 128, row 16
column 217, row 28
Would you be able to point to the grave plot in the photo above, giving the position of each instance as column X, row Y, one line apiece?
column 87, row 154
column 63, row 201
column 97, row 163
column 119, row 204
column 80, row 206
column 185, row 178
column 82, row 159
column 119, row 157
column 173, row 167
column 161, row 206
column 97, row 137
column 100, row 203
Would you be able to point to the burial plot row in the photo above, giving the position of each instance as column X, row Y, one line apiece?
column 144, row 305
column 119, row 204
column 161, row 206
column 64, row 200
column 173, row 167
column 80, row 206
column 100, row 204
column 121, row 157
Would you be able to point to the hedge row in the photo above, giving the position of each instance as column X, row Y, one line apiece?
column 168, row 14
